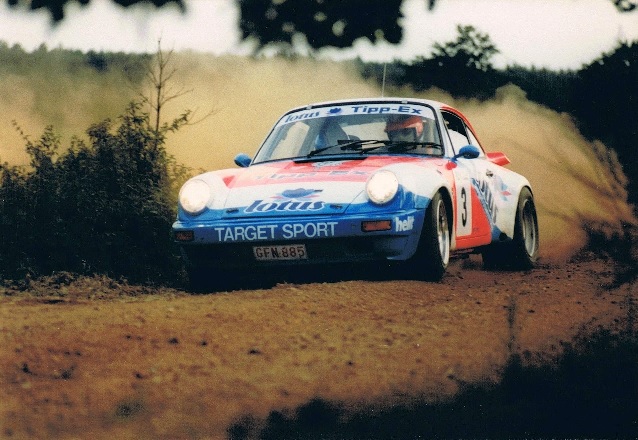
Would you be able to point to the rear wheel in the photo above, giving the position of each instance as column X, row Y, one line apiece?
column 433, row 254
column 522, row 252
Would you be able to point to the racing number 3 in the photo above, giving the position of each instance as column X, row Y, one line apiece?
column 463, row 207
column 464, row 210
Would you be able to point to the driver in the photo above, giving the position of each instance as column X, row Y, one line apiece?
column 408, row 129
column 412, row 129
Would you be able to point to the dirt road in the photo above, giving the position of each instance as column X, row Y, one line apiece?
column 92, row 358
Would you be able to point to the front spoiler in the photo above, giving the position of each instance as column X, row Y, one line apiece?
column 230, row 237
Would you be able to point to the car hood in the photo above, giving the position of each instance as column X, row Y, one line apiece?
column 300, row 188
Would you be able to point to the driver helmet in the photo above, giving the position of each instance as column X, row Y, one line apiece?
column 407, row 129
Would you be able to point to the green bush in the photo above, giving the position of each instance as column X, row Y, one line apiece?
column 103, row 207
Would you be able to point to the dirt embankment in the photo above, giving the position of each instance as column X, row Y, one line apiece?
column 91, row 358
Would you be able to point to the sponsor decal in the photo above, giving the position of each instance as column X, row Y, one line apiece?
column 501, row 188
column 405, row 109
column 299, row 193
column 400, row 109
column 246, row 233
column 404, row 225
column 329, row 163
column 299, row 199
column 312, row 174
column 308, row 230
column 275, row 232
column 286, row 205
column 487, row 196
column 301, row 116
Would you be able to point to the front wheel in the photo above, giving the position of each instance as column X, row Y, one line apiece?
column 211, row 280
column 433, row 253
column 522, row 252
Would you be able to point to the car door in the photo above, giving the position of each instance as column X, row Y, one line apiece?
column 472, row 223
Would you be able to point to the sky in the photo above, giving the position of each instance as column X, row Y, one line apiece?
column 555, row 34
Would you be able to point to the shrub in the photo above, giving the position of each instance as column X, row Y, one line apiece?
column 103, row 207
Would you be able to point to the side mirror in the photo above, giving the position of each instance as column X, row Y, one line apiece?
column 468, row 152
column 242, row 160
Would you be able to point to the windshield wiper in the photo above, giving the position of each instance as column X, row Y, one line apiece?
column 350, row 146
column 363, row 146
column 409, row 145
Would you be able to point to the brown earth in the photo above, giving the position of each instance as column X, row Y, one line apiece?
column 94, row 358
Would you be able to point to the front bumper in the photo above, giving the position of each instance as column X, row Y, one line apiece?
column 328, row 239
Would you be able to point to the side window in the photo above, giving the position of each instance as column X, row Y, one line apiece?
column 474, row 141
column 456, row 130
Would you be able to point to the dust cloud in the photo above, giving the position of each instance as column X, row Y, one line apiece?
column 70, row 103
column 574, row 181
column 17, row 103
column 239, row 99
column 247, row 97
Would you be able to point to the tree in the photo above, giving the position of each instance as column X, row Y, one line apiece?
column 323, row 23
column 104, row 205
column 470, row 49
column 159, row 75
column 462, row 67
column 56, row 7
column 605, row 103
column 625, row 5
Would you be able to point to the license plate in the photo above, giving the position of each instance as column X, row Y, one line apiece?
column 280, row 252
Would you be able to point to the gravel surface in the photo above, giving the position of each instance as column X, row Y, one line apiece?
column 94, row 358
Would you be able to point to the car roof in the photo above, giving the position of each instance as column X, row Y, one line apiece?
column 404, row 100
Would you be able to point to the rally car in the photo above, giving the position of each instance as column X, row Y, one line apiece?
column 396, row 180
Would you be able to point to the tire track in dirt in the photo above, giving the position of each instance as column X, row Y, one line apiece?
column 88, row 358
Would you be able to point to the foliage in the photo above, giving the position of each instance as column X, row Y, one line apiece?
column 104, row 206
column 57, row 62
column 468, row 57
column 605, row 101
column 322, row 22
column 56, row 7
column 602, row 95
column 625, row 5
column 471, row 49
column 35, row 83
column 331, row 22
column 326, row 23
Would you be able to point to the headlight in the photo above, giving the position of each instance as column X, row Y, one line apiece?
column 194, row 196
column 382, row 187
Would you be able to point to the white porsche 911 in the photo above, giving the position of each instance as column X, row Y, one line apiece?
column 384, row 179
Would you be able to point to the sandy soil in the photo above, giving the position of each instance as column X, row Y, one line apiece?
column 93, row 358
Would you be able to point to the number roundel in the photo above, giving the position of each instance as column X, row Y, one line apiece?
column 463, row 207
column 464, row 210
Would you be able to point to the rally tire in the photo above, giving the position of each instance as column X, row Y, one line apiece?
column 199, row 280
column 525, row 244
column 521, row 253
column 433, row 253
column 209, row 280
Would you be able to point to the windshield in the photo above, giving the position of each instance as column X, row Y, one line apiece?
column 371, row 128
